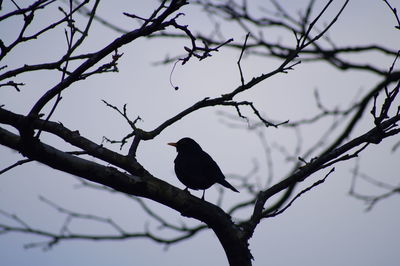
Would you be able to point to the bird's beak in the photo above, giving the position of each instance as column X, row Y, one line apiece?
column 172, row 144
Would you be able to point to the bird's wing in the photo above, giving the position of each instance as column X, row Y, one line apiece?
column 210, row 168
column 192, row 172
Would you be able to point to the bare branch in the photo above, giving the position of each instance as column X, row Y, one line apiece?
column 375, row 135
column 20, row 162
column 240, row 58
column 13, row 84
column 394, row 11
column 157, row 25
column 277, row 212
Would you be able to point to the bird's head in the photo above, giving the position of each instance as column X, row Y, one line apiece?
column 186, row 145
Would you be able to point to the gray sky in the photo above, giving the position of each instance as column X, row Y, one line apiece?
column 324, row 227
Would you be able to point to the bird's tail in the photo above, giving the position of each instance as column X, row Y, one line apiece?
column 227, row 185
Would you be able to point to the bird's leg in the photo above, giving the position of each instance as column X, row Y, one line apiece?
column 187, row 190
column 204, row 192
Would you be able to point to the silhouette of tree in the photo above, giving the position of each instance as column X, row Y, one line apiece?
column 100, row 167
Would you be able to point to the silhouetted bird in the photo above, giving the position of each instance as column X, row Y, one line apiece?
column 195, row 168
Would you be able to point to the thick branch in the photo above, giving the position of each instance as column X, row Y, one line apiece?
column 146, row 186
column 375, row 135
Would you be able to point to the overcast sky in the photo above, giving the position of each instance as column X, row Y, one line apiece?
column 324, row 227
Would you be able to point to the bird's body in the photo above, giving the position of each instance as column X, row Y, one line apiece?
column 195, row 168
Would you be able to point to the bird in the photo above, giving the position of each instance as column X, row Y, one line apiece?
column 195, row 168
